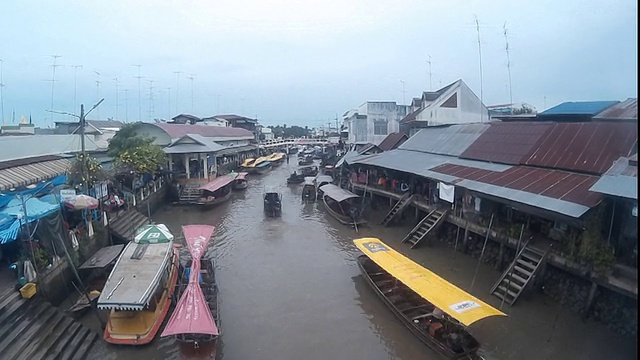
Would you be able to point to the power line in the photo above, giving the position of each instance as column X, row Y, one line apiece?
column 139, row 93
column 75, row 84
column 506, row 47
column 480, row 61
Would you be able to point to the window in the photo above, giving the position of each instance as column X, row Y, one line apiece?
column 451, row 102
column 380, row 127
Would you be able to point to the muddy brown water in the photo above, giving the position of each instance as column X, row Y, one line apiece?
column 290, row 289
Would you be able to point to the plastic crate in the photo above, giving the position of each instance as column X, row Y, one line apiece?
column 28, row 290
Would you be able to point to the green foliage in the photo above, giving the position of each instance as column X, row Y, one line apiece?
column 134, row 151
column 42, row 258
column 286, row 132
column 76, row 177
column 590, row 249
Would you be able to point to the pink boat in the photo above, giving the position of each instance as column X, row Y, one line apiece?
column 195, row 317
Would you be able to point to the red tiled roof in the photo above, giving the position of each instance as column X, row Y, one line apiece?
column 392, row 141
column 555, row 184
column 180, row 130
column 507, row 143
column 589, row 147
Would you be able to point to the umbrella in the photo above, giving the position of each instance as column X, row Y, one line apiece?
column 82, row 202
column 153, row 234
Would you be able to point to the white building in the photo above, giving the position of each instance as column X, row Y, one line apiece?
column 455, row 103
column 215, row 121
column 372, row 121
column 267, row 133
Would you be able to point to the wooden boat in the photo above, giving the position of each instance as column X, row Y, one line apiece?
column 343, row 205
column 434, row 310
column 277, row 158
column 261, row 168
column 307, row 160
column 295, row 178
column 139, row 290
column 195, row 319
column 320, row 181
column 240, row 182
column 248, row 162
column 217, row 191
column 309, row 189
column 309, row 170
column 328, row 170
column 272, row 203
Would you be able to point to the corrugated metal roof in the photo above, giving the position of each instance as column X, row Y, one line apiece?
column 620, row 180
column 193, row 143
column 589, row 147
column 578, row 108
column 392, row 141
column 555, row 184
column 626, row 110
column 445, row 140
column 507, row 143
column 32, row 173
column 179, row 130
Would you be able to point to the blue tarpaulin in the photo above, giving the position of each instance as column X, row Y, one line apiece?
column 40, row 189
column 36, row 209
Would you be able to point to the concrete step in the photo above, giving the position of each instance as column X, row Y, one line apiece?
column 72, row 348
column 56, row 334
column 85, row 346
column 32, row 332
column 16, row 328
column 61, row 343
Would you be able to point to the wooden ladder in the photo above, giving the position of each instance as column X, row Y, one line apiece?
column 425, row 227
column 397, row 209
column 514, row 280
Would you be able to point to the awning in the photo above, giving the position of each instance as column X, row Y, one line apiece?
column 236, row 150
column 336, row 193
column 219, row 182
column 24, row 175
column 449, row 298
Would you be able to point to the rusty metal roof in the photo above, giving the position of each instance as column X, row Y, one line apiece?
column 445, row 140
column 392, row 141
column 507, row 143
column 542, row 185
column 626, row 110
column 589, row 147
column 24, row 175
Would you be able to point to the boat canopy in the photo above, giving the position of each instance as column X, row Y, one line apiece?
column 263, row 164
column 248, row 162
column 336, row 193
column 153, row 234
column 192, row 315
column 311, row 166
column 324, row 178
column 241, row 176
column 135, row 276
column 454, row 301
column 218, row 183
column 309, row 180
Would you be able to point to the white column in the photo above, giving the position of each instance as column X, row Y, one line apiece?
column 186, row 165
column 170, row 162
column 199, row 164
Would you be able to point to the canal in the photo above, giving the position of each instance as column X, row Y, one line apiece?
column 290, row 289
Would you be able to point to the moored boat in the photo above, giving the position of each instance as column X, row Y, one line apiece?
column 343, row 205
column 309, row 189
column 247, row 163
column 308, row 170
column 433, row 309
column 261, row 168
column 195, row 319
column 320, row 181
column 240, row 182
column 217, row 191
column 277, row 158
column 140, row 287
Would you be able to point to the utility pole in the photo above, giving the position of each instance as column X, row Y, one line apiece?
column 75, row 83
column 429, row 63
column 98, row 90
column 480, row 61
column 139, row 93
column 177, row 91
column 1, row 95
column 191, row 78
column 403, row 92
column 126, row 105
column 53, row 81
column 116, row 81
column 506, row 47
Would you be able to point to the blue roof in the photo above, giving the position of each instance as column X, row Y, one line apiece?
column 579, row 108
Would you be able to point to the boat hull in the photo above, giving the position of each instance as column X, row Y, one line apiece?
column 422, row 335
column 343, row 219
column 240, row 185
column 126, row 332
column 215, row 202
column 309, row 193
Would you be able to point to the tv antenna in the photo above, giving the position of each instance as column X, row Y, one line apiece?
column 98, row 90
column 116, row 81
column 177, row 90
column 403, row 92
column 53, row 79
column 429, row 63
column 1, row 95
column 139, row 93
column 191, row 78
column 169, row 102
column 506, row 47
column 480, row 62
column 151, row 109
column 75, row 83
column 126, row 105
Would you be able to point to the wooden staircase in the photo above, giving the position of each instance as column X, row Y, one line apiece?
column 34, row 329
column 189, row 194
column 514, row 280
column 397, row 209
column 425, row 227
column 125, row 224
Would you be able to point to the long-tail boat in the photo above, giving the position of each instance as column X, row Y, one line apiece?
column 195, row 319
column 436, row 311
column 216, row 191
column 343, row 205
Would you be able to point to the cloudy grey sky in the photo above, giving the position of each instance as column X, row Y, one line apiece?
column 303, row 62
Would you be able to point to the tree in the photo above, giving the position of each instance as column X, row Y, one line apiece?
column 77, row 172
column 135, row 152
column 524, row 109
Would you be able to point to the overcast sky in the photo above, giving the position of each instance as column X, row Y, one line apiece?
column 302, row 62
